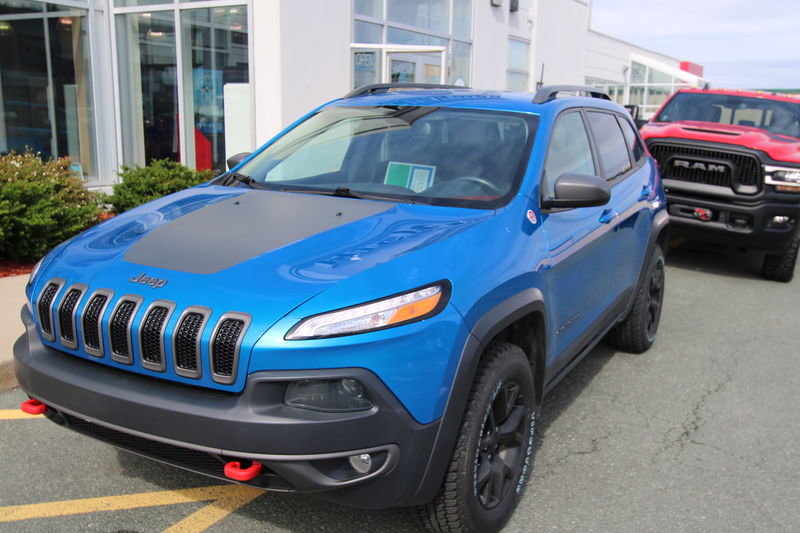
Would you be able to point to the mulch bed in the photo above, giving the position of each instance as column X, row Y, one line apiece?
column 13, row 268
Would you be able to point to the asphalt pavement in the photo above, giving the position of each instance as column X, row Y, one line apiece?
column 700, row 434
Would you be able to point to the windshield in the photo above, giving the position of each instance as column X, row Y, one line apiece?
column 775, row 116
column 441, row 156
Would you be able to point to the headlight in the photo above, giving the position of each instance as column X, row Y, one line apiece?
column 35, row 270
column 380, row 314
column 783, row 177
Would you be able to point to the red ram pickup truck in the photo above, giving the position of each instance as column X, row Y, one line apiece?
column 730, row 161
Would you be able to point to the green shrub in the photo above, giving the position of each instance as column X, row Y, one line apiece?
column 42, row 203
column 143, row 184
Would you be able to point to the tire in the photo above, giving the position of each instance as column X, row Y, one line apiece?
column 636, row 333
column 489, row 468
column 781, row 267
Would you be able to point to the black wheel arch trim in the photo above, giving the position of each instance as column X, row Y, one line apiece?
column 491, row 323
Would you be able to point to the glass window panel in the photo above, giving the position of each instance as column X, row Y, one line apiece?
column 366, row 32
column 633, row 141
column 462, row 18
column 658, row 94
column 396, row 36
column 15, row 7
column 636, row 94
column 366, row 66
column 216, row 83
column 430, row 15
column 656, row 76
column 459, row 63
column 517, row 55
column 517, row 81
column 568, row 151
column 131, row 3
column 148, row 87
column 638, row 72
column 611, row 145
column 369, row 8
column 45, row 92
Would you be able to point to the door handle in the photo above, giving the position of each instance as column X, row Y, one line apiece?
column 608, row 215
column 647, row 190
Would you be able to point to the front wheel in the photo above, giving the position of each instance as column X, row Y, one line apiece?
column 781, row 267
column 492, row 458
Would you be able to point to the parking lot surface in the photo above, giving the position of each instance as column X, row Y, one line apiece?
column 702, row 433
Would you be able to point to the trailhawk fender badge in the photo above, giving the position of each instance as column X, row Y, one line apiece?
column 531, row 216
column 155, row 283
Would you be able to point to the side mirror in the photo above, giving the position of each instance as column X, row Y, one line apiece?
column 237, row 158
column 579, row 190
column 633, row 109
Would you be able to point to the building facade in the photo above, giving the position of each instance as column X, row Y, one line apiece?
column 112, row 83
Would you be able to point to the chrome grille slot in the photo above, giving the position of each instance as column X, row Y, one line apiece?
column 119, row 328
column 186, row 341
column 151, row 335
column 226, row 340
column 44, row 307
column 66, row 315
column 92, row 319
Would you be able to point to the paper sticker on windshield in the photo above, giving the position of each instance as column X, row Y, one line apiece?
column 409, row 175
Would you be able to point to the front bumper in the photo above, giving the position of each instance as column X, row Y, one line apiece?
column 736, row 224
column 201, row 429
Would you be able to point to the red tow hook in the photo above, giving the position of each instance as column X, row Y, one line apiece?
column 234, row 470
column 33, row 407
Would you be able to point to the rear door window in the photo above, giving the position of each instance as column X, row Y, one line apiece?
column 611, row 147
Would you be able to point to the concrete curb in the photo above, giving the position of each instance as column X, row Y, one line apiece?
column 8, row 380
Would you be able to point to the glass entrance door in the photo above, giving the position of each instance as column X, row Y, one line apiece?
column 381, row 63
column 419, row 67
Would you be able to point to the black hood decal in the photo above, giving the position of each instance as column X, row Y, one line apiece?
column 230, row 232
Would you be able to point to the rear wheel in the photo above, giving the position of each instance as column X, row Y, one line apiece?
column 781, row 267
column 637, row 331
column 492, row 458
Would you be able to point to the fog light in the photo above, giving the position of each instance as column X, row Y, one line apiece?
column 330, row 395
column 780, row 220
column 361, row 463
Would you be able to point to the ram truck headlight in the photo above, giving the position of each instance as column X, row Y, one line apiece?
column 784, row 178
column 380, row 314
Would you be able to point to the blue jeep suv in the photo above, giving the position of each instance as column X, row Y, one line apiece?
column 369, row 308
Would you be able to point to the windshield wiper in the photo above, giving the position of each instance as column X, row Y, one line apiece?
column 242, row 178
column 345, row 192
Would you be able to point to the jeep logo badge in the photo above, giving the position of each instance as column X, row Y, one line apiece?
column 155, row 283
column 697, row 165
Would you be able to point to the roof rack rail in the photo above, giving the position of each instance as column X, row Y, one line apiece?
column 385, row 87
column 548, row 92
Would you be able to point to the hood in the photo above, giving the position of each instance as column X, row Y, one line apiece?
column 777, row 147
column 251, row 251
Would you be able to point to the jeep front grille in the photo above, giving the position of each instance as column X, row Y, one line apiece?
column 225, row 344
column 186, row 341
column 146, row 339
column 734, row 170
column 91, row 322
column 119, row 328
column 45, row 308
column 66, row 316
column 151, row 335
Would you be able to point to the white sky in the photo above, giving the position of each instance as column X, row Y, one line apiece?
column 742, row 44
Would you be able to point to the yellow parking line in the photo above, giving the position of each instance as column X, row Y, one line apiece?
column 15, row 414
column 213, row 513
column 229, row 498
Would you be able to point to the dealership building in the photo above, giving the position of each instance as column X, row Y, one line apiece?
column 109, row 83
